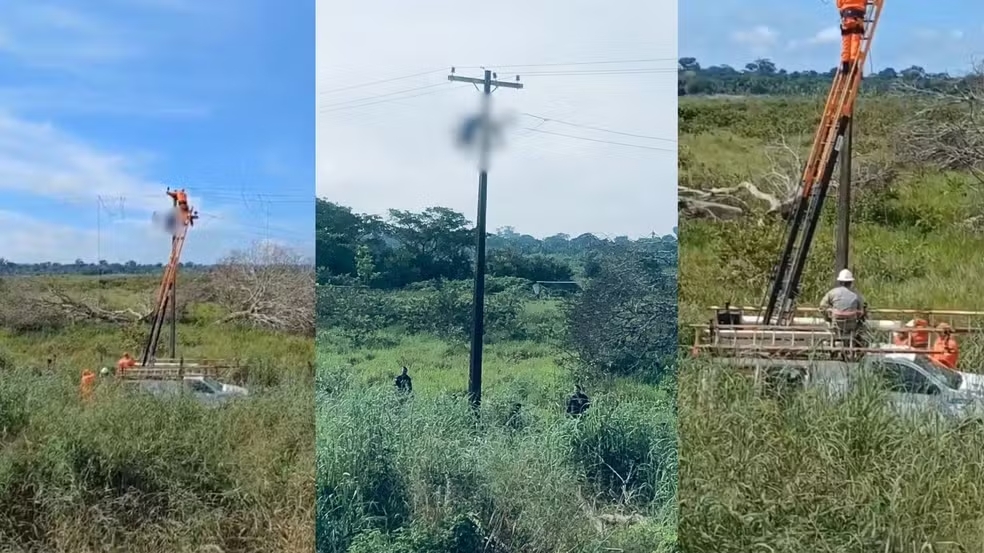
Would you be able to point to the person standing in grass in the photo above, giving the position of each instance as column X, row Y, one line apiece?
column 87, row 384
column 945, row 350
column 403, row 382
column 578, row 403
column 124, row 364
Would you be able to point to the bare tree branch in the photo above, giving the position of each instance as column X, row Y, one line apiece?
column 78, row 310
column 947, row 132
column 267, row 286
column 776, row 192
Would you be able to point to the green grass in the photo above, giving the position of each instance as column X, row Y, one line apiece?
column 425, row 474
column 816, row 475
column 131, row 473
column 812, row 475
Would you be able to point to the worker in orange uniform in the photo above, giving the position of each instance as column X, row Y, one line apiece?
column 918, row 337
column 124, row 364
column 87, row 385
column 852, row 14
column 945, row 350
column 912, row 338
column 180, row 198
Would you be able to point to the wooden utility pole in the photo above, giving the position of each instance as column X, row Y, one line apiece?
column 843, row 239
column 489, row 84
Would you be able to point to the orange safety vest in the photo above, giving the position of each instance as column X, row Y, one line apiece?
column 852, row 14
column 88, row 382
column 945, row 352
column 125, row 363
column 179, row 196
column 919, row 339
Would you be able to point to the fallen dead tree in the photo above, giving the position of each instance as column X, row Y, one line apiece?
column 77, row 310
column 777, row 190
column 268, row 286
column 948, row 131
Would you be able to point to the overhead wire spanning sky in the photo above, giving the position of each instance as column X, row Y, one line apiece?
column 589, row 144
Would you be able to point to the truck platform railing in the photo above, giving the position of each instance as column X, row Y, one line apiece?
column 177, row 369
column 962, row 322
column 792, row 342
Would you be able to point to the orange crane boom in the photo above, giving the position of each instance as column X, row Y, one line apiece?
column 827, row 144
column 185, row 218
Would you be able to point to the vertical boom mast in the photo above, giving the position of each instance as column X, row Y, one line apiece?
column 827, row 143
column 184, row 219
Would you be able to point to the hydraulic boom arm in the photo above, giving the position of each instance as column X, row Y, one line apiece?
column 837, row 114
column 184, row 218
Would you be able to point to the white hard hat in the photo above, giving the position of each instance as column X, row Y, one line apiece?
column 911, row 323
column 105, row 371
column 845, row 276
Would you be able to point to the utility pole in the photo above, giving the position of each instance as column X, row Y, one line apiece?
column 843, row 240
column 174, row 315
column 489, row 83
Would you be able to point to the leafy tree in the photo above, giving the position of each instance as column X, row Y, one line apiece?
column 624, row 322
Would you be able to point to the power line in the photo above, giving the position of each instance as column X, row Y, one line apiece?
column 392, row 99
column 422, row 73
column 394, row 93
column 604, row 62
column 360, row 102
column 531, row 129
column 568, row 123
column 636, row 71
column 557, row 64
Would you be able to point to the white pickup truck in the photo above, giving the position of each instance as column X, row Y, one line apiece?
column 202, row 388
column 913, row 383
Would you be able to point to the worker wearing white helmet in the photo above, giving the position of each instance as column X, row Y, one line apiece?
column 843, row 299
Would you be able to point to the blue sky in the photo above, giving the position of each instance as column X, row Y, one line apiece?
column 105, row 103
column 802, row 35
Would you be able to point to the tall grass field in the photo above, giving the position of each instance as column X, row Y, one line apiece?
column 427, row 473
column 809, row 473
column 133, row 472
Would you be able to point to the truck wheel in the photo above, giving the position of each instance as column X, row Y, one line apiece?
column 783, row 382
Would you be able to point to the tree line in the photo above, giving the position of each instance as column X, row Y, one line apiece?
column 438, row 243
column 762, row 77
column 83, row 268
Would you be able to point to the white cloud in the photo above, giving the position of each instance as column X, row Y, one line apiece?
column 825, row 36
column 30, row 239
column 55, row 168
column 939, row 35
column 758, row 38
column 47, row 34
column 400, row 154
column 40, row 159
